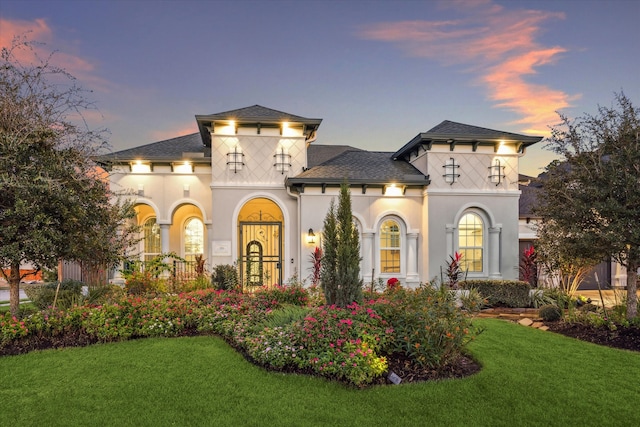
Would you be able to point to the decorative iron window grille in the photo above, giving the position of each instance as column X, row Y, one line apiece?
column 496, row 172
column 235, row 159
column 450, row 169
column 282, row 160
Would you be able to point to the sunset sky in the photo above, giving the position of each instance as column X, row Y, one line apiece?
column 376, row 72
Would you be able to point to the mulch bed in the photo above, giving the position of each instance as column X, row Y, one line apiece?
column 624, row 338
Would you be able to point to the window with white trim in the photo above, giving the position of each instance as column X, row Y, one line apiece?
column 471, row 240
column 390, row 246
column 193, row 238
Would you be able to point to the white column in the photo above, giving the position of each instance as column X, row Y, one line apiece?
column 494, row 252
column 164, row 238
column 412, row 258
column 450, row 228
column 367, row 256
column 209, row 244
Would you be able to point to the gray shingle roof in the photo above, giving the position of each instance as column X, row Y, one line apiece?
column 167, row 150
column 361, row 167
column 317, row 154
column 528, row 200
column 257, row 113
column 448, row 132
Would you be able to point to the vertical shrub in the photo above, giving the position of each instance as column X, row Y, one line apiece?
column 348, row 275
column 340, row 269
column 225, row 277
column 328, row 272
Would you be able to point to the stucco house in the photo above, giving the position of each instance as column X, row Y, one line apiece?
column 253, row 187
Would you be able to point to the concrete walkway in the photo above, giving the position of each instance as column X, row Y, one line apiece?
column 4, row 295
column 611, row 297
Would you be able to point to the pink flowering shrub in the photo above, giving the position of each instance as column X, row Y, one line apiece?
column 349, row 344
column 278, row 294
column 344, row 343
column 11, row 328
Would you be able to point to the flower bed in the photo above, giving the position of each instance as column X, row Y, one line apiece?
column 349, row 344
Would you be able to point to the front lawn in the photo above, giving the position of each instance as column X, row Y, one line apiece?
column 529, row 377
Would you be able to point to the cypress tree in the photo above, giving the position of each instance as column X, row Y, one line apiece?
column 328, row 279
column 348, row 271
column 341, row 262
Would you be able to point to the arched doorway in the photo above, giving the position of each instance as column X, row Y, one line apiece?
column 260, row 243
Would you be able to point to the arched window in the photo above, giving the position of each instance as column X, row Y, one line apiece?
column 152, row 244
column 390, row 245
column 193, row 239
column 471, row 242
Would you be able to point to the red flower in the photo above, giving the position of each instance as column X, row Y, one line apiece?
column 393, row 283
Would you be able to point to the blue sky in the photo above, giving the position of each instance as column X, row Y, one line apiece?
column 376, row 72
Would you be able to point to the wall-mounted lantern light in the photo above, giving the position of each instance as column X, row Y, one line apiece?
column 496, row 172
column 450, row 169
column 235, row 159
column 282, row 160
column 311, row 237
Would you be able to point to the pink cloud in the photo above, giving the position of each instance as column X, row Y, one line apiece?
column 43, row 37
column 499, row 45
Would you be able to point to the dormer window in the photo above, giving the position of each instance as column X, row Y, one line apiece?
column 282, row 160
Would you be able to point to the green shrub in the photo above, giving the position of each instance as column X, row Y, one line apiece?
column 105, row 294
column 509, row 293
column 550, row 313
column 225, row 277
column 144, row 283
column 194, row 284
column 558, row 297
column 284, row 315
column 540, row 297
column 427, row 326
column 472, row 302
column 42, row 295
column 295, row 295
column 344, row 343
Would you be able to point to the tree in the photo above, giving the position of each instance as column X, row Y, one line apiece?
column 591, row 199
column 55, row 203
column 328, row 269
column 341, row 263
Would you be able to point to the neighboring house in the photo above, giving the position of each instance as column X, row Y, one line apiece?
column 610, row 274
column 253, row 187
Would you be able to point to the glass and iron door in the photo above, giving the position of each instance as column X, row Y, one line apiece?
column 260, row 257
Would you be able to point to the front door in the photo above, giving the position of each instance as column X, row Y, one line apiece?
column 260, row 253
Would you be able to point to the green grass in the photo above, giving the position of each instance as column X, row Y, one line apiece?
column 529, row 378
column 24, row 305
